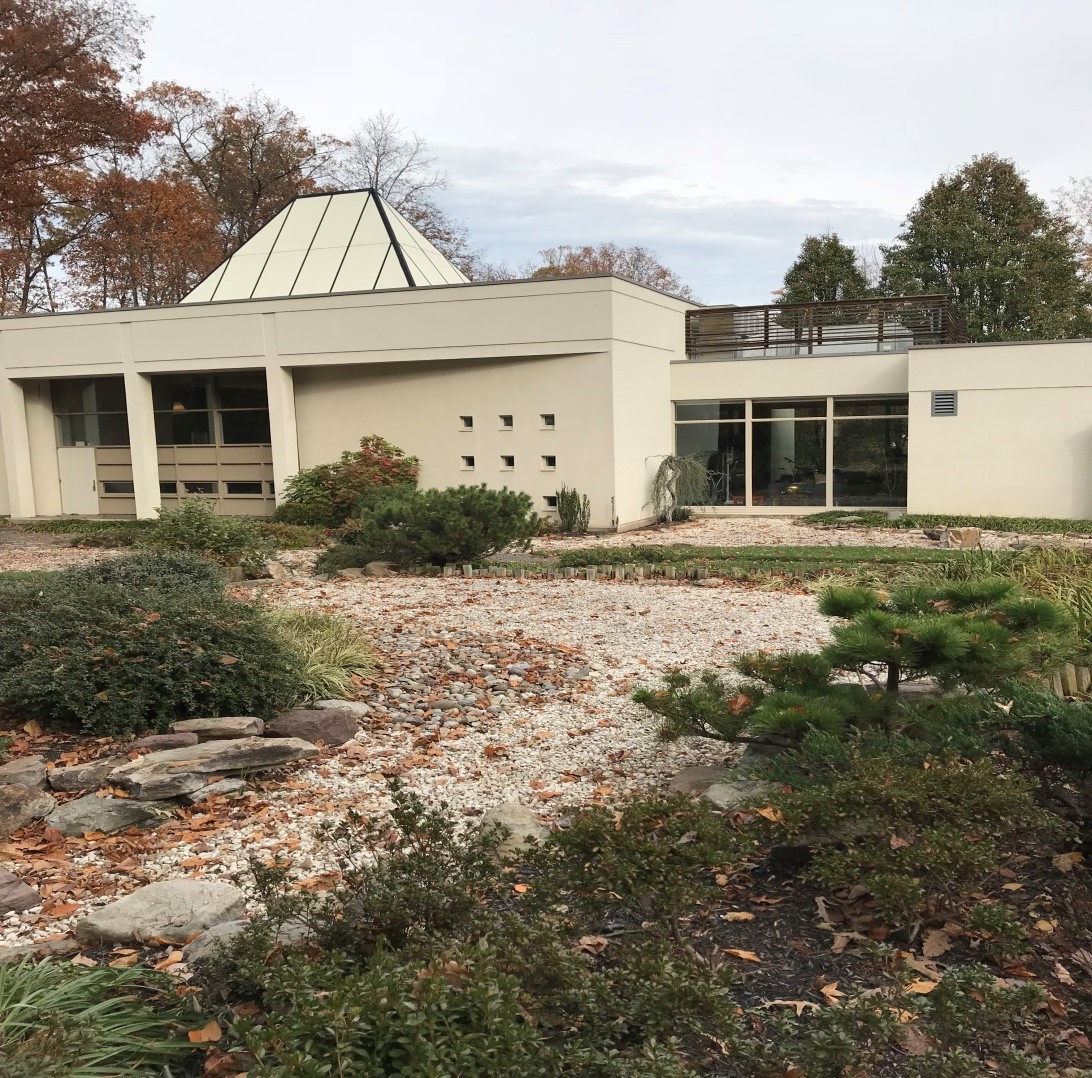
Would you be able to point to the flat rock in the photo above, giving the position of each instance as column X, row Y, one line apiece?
column 277, row 570
column 216, row 789
column 696, row 780
column 107, row 814
column 172, row 910
column 175, row 772
column 379, row 568
column 16, row 896
column 736, row 794
column 224, row 934
column 331, row 726
column 159, row 742
column 26, row 771
column 44, row 949
column 88, row 776
column 227, row 728
column 354, row 707
column 522, row 825
column 22, row 805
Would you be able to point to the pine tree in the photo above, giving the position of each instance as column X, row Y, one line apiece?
column 825, row 271
column 984, row 238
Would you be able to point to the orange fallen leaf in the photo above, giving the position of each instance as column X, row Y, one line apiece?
column 171, row 960
column 593, row 944
column 65, row 909
column 207, row 1034
column 125, row 962
column 747, row 956
column 1066, row 862
column 521, row 888
column 769, row 813
column 921, row 988
column 1012, row 887
column 737, row 915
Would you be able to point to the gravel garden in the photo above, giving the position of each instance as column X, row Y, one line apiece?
column 762, row 797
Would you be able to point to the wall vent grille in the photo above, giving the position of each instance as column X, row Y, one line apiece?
column 944, row 403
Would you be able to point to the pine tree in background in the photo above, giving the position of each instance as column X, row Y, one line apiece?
column 825, row 271
column 1011, row 266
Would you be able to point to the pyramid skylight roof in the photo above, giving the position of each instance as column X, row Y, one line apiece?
column 349, row 241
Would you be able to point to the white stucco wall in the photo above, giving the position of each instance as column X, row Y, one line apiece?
column 1021, row 441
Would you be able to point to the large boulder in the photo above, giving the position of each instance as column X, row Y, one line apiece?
column 328, row 725
column 92, row 813
column 175, row 772
column 221, row 788
column 160, row 742
column 696, row 780
column 226, row 728
column 26, row 771
column 22, row 805
column 522, row 827
column 86, row 776
column 172, row 911
column 16, row 896
column 736, row 794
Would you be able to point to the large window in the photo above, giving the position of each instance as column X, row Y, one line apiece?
column 90, row 411
column 844, row 451
column 221, row 409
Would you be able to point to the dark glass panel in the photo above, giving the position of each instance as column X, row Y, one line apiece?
column 169, row 390
column 201, row 487
column 241, row 390
column 245, row 428
column 168, row 488
column 722, row 447
column 789, row 466
column 244, row 488
column 112, row 486
column 810, row 409
column 870, row 462
column 689, row 410
column 871, row 406
column 72, row 395
column 106, row 429
column 182, row 428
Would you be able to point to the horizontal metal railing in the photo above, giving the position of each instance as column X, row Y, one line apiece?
column 860, row 325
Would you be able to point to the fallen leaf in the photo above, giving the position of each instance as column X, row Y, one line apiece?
column 921, row 988
column 934, row 942
column 747, row 956
column 125, row 962
column 1062, row 973
column 843, row 939
column 721, row 880
column 830, row 992
column 521, row 888
column 593, row 944
column 171, row 960
column 83, row 960
column 227, row 660
column 738, row 704
column 769, row 813
column 65, row 909
column 207, row 1034
column 1066, row 862
column 1045, row 926
column 897, row 843
column 798, row 1005
column 913, row 1040
column 1012, row 887
column 737, row 915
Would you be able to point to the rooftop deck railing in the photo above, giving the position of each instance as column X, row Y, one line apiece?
column 804, row 329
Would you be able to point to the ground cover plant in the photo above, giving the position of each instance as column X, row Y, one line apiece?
column 879, row 518
column 136, row 643
column 63, row 1021
column 616, row 947
column 411, row 527
column 328, row 494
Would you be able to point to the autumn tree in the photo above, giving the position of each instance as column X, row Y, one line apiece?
column 147, row 240
column 1009, row 263
column 62, row 63
column 825, row 271
column 1074, row 203
column 381, row 154
column 248, row 157
column 637, row 263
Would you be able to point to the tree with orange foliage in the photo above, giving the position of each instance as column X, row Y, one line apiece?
column 61, row 67
column 637, row 263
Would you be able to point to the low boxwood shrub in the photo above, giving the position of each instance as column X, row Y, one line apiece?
column 327, row 494
column 119, row 656
column 437, row 527
column 197, row 528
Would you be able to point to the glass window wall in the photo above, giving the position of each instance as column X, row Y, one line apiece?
column 90, row 411
column 220, row 409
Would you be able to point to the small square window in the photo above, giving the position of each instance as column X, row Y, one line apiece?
column 549, row 463
column 506, row 422
column 169, row 488
column 508, row 462
column 466, row 422
column 546, row 420
column 551, row 501
column 468, row 464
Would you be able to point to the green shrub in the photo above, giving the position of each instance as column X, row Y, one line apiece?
column 291, row 536
column 436, row 527
column 64, row 1021
column 333, row 651
column 116, row 658
column 573, row 511
column 343, row 556
column 920, row 839
column 151, row 572
column 196, row 527
column 326, row 495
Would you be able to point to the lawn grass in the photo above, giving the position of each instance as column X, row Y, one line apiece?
column 878, row 518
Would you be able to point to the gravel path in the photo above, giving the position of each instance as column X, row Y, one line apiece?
column 27, row 557
column 489, row 691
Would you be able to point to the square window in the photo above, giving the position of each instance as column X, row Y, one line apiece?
column 550, row 501
column 466, row 422
column 468, row 464
column 546, row 420
column 169, row 488
column 549, row 463
column 506, row 422
column 508, row 462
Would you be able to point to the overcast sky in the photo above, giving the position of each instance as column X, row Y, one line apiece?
column 717, row 132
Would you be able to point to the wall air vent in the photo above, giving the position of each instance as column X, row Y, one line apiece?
column 944, row 402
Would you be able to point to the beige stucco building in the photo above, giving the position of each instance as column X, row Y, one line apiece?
column 339, row 320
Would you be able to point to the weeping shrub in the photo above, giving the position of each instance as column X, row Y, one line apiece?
column 333, row 651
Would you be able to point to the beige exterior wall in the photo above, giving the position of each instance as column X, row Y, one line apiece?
column 1021, row 441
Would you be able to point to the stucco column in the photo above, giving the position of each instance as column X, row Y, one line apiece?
column 282, row 426
column 138, row 403
column 13, row 428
